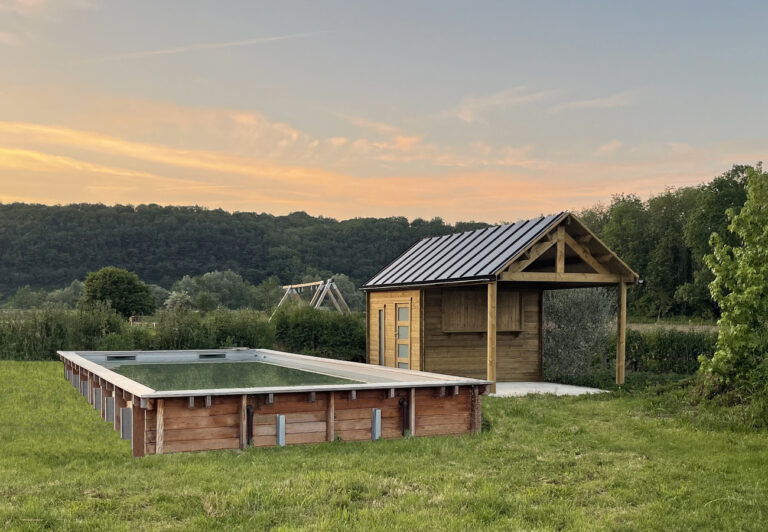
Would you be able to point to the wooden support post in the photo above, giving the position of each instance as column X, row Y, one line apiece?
column 621, row 333
column 160, row 427
column 119, row 405
column 491, row 353
column 330, row 421
column 560, row 266
column 475, row 410
column 412, row 412
column 137, row 429
column 243, row 421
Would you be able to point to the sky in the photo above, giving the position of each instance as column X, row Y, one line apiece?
column 486, row 111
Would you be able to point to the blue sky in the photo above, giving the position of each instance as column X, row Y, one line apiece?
column 483, row 110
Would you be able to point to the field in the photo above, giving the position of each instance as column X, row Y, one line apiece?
column 615, row 462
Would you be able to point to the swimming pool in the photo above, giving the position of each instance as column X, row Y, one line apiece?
column 194, row 400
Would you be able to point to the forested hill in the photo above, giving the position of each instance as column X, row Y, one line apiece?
column 48, row 247
column 664, row 239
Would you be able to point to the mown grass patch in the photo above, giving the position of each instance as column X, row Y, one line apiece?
column 607, row 462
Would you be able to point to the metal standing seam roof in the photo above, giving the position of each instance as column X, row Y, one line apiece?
column 470, row 255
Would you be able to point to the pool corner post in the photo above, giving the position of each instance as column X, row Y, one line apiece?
column 137, row 428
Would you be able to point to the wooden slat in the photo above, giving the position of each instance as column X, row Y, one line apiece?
column 330, row 427
column 193, row 434
column 243, row 421
column 304, row 437
column 159, row 423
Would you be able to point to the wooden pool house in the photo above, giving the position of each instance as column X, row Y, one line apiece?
column 470, row 303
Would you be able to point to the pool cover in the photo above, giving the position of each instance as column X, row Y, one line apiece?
column 215, row 375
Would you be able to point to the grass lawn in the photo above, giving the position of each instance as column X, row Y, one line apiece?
column 600, row 462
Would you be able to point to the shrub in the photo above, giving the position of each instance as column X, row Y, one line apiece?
column 662, row 350
column 302, row 329
column 576, row 330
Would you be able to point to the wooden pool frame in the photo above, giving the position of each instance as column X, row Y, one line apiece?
column 391, row 403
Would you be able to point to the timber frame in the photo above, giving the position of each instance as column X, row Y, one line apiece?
column 562, row 253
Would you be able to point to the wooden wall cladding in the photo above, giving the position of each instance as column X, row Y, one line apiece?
column 464, row 309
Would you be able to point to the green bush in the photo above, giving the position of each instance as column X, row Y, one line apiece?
column 302, row 329
column 662, row 350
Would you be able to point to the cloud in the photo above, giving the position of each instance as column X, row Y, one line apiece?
column 615, row 100
column 8, row 39
column 471, row 107
column 197, row 47
column 608, row 148
column 381, row 128
column 37, row 8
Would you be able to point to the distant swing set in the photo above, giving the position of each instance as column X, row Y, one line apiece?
column 322, row 291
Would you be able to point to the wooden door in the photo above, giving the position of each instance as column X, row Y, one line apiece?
column 403, row 334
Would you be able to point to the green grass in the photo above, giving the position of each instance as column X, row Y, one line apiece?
column 610, row 462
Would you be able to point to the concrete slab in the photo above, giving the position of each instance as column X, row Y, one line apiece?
column 519, row 389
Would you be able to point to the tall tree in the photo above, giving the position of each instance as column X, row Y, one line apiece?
column 740, row 287
column 121, row 289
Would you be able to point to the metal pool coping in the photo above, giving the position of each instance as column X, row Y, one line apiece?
column 371, row 376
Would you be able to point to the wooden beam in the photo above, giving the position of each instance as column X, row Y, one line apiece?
column 137, row 430
column 119, row 403
column 604, row 259
column 243, row 421
column 560, row 263
column 491, row 351
column 544, row 277
column 160, row 427
column 536, row 251
column 412, row 413
column 302, row 285
column 621, row 333
column 585, row 239
column 585, row 255
column 330, row 418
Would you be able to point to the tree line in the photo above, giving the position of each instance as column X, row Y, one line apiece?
column 44, row 248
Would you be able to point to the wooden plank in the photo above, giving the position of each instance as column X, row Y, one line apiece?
column 299, row 428
column 330, row 427
column 137, row 431
column 621, row 334
column 159, row 423
column 265, row 430
column 232, row 407
column 354, row 424
column 304, row 437
column 195, row 422
column 193, row 434
column 491, row 336
column 448, row 419
column 264, row 441
column 203, row 445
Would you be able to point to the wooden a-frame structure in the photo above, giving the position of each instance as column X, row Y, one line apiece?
column 321, row 290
